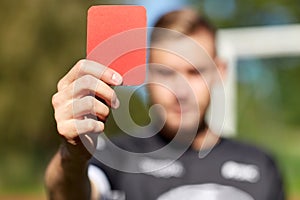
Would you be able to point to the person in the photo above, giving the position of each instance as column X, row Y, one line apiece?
column 164, row 162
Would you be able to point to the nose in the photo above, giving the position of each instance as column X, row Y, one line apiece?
column 181, row 88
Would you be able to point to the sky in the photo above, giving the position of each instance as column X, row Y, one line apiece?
column 156, row 8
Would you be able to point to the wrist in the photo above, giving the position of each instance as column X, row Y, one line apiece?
column 74, row 153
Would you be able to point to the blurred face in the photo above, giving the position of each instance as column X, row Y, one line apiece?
column 181, row 73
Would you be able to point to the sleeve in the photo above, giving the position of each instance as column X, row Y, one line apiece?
column 99, row 179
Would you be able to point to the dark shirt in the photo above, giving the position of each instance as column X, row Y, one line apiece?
column 231, row 170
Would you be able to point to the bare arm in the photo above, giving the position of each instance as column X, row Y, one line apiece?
column 66, row 175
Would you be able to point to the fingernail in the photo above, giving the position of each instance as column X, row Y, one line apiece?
column 115, row 103
column 117, row 79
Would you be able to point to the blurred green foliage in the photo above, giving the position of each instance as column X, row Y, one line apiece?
column 268, row 111
column 41, row 40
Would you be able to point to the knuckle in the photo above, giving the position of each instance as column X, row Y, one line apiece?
column 87, row 81
column 82, row 66
column 94, row 126
column 56, row 116
column 59, row 85
column 61, row 128
column 55, row 100
column 80, row 63
column 90, row 125
column 89, row 102
column 103, row 72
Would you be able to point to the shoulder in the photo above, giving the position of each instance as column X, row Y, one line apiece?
column 245, row 152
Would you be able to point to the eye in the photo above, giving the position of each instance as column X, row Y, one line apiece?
column 164, row 72
column 200, row 70
column 195, row 72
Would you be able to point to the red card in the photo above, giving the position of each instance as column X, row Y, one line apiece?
column 116, row 37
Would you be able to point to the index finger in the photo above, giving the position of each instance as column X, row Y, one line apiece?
column 88, row 67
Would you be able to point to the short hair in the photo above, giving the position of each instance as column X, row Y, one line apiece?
column 185, row 21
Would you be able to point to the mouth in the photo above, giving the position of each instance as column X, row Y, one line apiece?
column 181, row 110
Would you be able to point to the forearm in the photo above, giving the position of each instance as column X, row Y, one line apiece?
column 66, row 176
